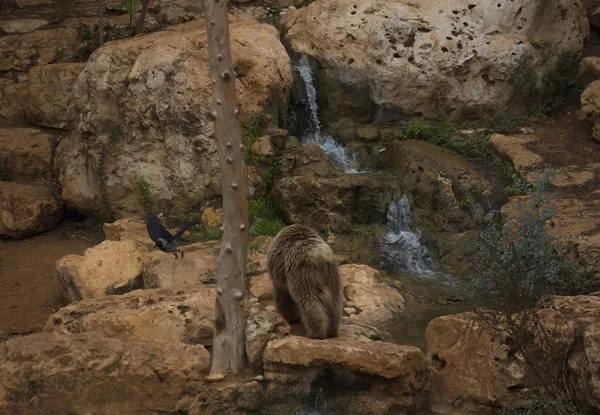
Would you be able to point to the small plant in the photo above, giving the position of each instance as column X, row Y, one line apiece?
column 438, row 132
column 215, row 187
column 212, row 234
column 254, row 246
column 131, row 7
column 517, row 185
column 144, row 193
column 85, row 34
column 540, row 44
column 268, row 227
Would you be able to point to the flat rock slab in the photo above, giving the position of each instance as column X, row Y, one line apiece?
column 49, row 373
column 178, row 314
column 381, row 359
column 24, row 152
column 27, row 209
column 112, row 267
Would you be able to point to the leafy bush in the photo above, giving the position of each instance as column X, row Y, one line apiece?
column 144, row 193
column 263, row 218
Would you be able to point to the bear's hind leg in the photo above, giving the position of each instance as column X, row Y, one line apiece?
column 285, row 304
column 314, row 318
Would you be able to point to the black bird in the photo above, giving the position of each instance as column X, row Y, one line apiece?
column 162, row 238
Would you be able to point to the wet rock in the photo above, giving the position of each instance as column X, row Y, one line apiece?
column 199, row 265
column 21, row 52
column 49, row 373
column 28, row 209
column 262, row 326
column 24, row 152
column 146, row 107
column 159, row 315
column 21, row 25
column 366, row 132
column 429, row 42
column 307, row 159
column 50, row 93
column 112, row 267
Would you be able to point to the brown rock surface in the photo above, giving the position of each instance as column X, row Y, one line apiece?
column 27, row 209
column 24, row 152
column 50, row 93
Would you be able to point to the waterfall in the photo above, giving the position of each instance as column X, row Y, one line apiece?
column 401, row 250
column 337, row 152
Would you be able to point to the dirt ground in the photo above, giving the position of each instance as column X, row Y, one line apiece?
column 30, row 292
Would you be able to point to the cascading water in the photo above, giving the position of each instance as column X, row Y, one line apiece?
column 401, row 250
column 337, row 152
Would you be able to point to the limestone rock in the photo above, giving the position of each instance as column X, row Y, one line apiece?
column 262, row 326
column 78, row 373
column 12, row 105
column 590, row 65
column 366, row 132
column 590, row 104
column 50, row 92
column 21, row 52
column 32, row 3
column 199, row 265
column 374, row 300
column 24, row 152
column 27, row 209
column 513, row 148
column 128, row 229
column 261, row 287
column 365, row 44
column 595, row 18
column 112, row 267
column 21, row 25
column 212, row 217
column 262, row 147
column 160, row 315
column 142, row 112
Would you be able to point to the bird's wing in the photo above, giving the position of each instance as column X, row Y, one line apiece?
column 156, row 230
column 180, row 232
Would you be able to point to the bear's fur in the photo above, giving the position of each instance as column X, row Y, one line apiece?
column 306, row 281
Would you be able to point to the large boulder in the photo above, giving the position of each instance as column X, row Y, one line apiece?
column 50, row 92
column 162, row 315
column 590, row 104
column 389, row 375
column 51, row 373
column 28, row 208
column 12, row 104
column 496, row 374
column 18, row 53
column 112, row 267
column 142, row 113
column 24, row 152
column 408, row 57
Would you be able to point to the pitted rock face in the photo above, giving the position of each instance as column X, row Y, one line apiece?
column 413, row 56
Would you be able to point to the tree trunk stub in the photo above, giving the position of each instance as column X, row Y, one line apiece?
column 228, row 346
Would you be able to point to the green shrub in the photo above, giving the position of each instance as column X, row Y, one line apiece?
column 144, row 193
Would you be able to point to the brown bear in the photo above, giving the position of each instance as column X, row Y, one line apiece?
column 306, row 281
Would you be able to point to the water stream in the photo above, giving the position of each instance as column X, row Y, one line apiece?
column 340, row 155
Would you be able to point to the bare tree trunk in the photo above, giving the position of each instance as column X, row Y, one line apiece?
column 228, row 345
column 101, row 22
column 139, row 26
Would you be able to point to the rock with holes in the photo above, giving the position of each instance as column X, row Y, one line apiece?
column 160, row 315
column 142, row 113
column 28, row 208
column 50, row 93
column 50, row 373
column 112, row 267
column 24, row 152
column 450, row 53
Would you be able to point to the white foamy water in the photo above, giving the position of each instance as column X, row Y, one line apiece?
column 339, row 154
column 401, row 250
